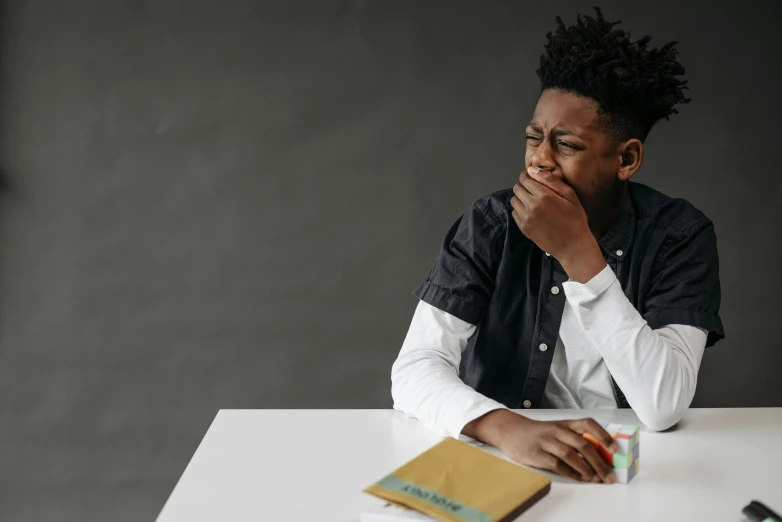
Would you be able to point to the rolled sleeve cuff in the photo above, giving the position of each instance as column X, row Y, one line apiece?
column 466, row 309
column 704, row 320
column 592, row 289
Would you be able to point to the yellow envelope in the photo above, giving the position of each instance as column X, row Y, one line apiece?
column 456, row 482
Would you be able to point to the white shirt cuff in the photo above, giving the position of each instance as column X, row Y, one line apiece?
column 593, row 288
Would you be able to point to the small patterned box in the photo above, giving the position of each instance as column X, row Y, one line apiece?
column 625, row 461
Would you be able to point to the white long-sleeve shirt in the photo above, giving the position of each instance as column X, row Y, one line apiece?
column 601, row 335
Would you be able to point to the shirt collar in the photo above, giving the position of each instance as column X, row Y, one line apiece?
column 619, row 236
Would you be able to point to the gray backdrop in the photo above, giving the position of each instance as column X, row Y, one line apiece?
column 227, row 205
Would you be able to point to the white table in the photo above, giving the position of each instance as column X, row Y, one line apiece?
column 311, row 465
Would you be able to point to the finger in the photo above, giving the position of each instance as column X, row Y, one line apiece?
column 518, row 205
column 570, row 457
column 552, row 463
column 589, row 452
column 596, row 430
column 548, row 179
column 521, row 192
column 529, row 185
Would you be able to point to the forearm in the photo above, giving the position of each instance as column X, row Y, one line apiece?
column 656, row 369
column 424, row 379
column 433, row 393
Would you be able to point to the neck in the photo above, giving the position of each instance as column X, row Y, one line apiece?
column 607, row 210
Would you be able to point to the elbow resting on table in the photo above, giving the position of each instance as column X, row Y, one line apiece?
column 662, row 407
column 661, row 422
column 663, row 412
column 660, row 417
column 421, row 379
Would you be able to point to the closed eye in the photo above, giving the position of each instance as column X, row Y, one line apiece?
column 569, row 145
column 533, row 138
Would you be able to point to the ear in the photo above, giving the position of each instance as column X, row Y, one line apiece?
column 631, row 155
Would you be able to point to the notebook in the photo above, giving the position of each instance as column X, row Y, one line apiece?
column 456, row 482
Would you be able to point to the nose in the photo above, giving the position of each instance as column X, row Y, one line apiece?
column 542, row 157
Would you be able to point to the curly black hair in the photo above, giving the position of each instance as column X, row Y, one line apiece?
column 634, row 87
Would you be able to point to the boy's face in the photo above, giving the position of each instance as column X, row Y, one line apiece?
column 567, row 137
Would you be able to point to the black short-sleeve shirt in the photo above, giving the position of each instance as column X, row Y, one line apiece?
column 664, row 254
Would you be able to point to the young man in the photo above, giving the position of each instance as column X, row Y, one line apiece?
column 577, row 288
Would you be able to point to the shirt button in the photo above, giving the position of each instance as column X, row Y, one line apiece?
column 543, row 347
column 527, row 404
column 548, row 254
column 555, row 290
column 619, row 253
